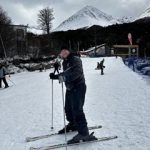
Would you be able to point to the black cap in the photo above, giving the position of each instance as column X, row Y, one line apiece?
column 65, row 47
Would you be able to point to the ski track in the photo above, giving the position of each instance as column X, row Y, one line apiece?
column 119, row 101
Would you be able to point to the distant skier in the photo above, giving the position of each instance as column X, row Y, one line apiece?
column 131, row 63
column 41, row 67
column 3, row 73
column 75, row 96
column 56, row 67
column 101, row 66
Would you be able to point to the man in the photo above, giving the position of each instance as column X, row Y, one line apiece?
column 41, row 67
column 75, row 96
column 101, row 65
column 56, row 67
column 3, row 72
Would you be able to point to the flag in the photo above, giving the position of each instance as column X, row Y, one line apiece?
column 130, row 38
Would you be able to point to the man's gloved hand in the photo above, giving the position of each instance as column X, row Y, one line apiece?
column 61, row 78
column 53, row 76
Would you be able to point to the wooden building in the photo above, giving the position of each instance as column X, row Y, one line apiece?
column 125, row 50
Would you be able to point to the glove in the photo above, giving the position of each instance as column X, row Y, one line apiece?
column 53, row 76
column 61, row 78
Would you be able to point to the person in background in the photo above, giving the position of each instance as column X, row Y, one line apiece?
column 131, row 63
column 41, row 67
column 56, row 66
column 101, row 65
column 3, row 73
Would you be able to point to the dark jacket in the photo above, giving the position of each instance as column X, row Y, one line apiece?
column 101, row 65
column 73, row 72
column 3, row 72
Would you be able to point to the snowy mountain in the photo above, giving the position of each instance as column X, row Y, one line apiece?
column 125, row 19
column 145, row 14
column 86, row 17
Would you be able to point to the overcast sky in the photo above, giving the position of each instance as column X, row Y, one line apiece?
column 25, row 11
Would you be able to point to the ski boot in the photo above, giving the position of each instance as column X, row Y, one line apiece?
column 69, row 128
column 6, row 86
column 82, row 138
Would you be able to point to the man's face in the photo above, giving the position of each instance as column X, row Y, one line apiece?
column 64, row 53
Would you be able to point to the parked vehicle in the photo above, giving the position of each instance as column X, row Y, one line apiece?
column 146, row 71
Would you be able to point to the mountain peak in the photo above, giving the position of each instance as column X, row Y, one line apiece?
column 86, row 17
column 89, row 7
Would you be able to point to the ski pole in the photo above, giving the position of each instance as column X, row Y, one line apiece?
column 64, row 114
column 11, row 81
column 52, row 127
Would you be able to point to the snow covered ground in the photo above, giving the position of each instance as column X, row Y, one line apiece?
column 119, row 100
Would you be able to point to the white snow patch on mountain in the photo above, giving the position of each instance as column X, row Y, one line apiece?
column 86, row 17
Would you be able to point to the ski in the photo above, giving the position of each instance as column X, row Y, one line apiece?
column 75, row 144
column 31, row 139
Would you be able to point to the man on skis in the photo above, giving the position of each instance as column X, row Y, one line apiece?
column 56, row 67
column 101, row 66
column 73, row 77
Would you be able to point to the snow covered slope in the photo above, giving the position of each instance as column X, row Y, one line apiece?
column 145, row 14
column 86, row 17
column 119, row 100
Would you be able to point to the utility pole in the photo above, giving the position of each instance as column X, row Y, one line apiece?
column 70, row 45
column 95, row 41
column 78, row 46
